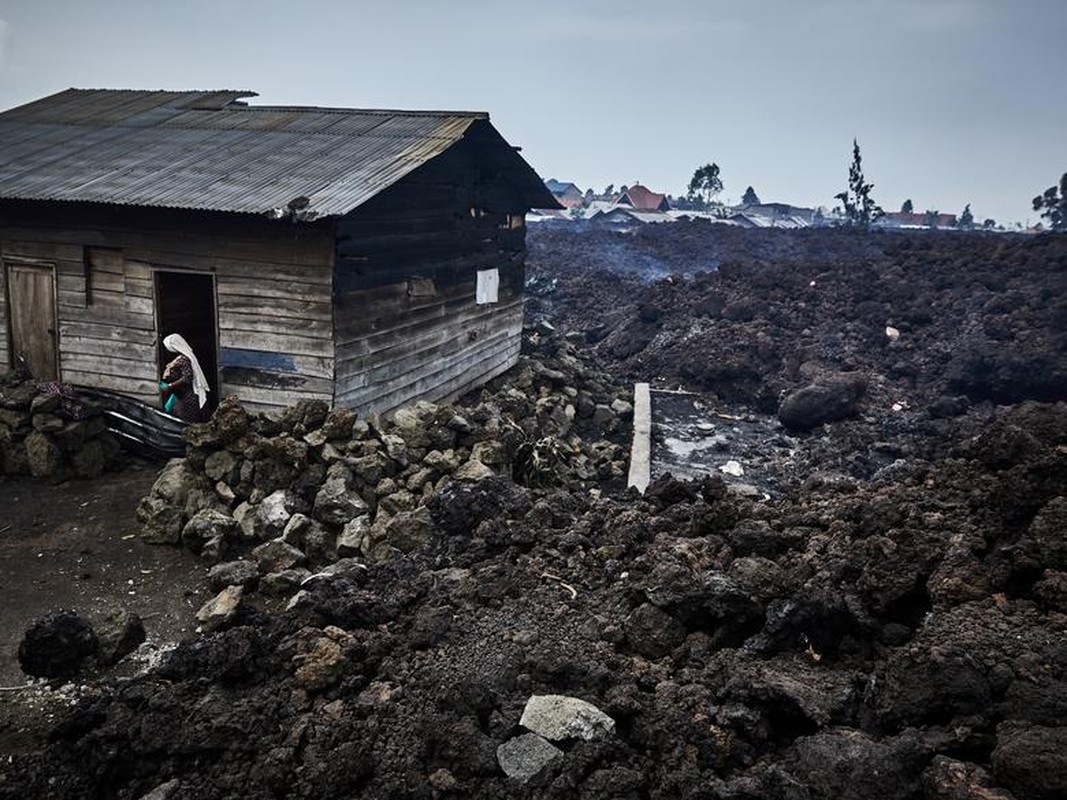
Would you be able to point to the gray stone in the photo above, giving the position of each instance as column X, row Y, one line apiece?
column 559, row 717
column 241, row 573
column 350, row 542
column 275, row 512
column 44, row 403
column 45, row 457
column 443, row 462
column 276, row 555
column 220, row 609
column 165, row 791
column 206, row 525
column 215, row 550
column 602, row 415
column 283, row 582
column 246, row 517
column 118, row 635
column 336, row 503
column 220, row 465
column 319, row 544
column 161, row 521
column 408, row 530
column 472, row 471
column 223, row 490
column 402, row 500
column 525, row 756
column 369, row 469
column 491, row 452
column 174, row 482
column 622, row 408
column 296, row 529
column 396, row 448
column 47, row 423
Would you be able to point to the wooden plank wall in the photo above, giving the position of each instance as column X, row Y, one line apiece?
column 273, row 296
column 5, row 356
column 406, row 322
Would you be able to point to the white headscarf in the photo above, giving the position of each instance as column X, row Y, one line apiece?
column 176, row 344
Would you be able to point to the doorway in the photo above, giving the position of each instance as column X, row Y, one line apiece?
column 31, row 314
column 185, row 304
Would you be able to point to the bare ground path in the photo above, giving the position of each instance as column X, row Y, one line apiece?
column 75, row 546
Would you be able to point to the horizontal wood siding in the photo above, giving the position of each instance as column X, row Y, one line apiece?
column 5, row 355
column 406, row 324
column 273, row 284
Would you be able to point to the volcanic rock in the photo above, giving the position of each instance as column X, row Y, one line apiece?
column 56, row 645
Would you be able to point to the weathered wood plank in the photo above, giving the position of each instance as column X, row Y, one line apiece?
column 145, row 390
column 119, row 349
column 283, row 309
column 423, row 360
column 278, row 245
column 444, row 320
column 100, row 314
column 274, row 361
column 259, row 399
column 271, row 287
column 261, row 323
column 281, row 342
column 109, row 364
column 441, row 384
column 34, row 247
column 106, row 332
column 249, row 377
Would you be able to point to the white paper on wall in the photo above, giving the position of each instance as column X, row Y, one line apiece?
column 488, row 288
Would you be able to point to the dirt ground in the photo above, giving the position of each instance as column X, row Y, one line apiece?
column 75, row 546
column 889, row 624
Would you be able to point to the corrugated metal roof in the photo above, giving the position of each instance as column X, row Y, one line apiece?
column 210, row 151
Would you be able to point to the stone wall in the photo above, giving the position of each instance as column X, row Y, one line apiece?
column 269, row 498
column 48, row 433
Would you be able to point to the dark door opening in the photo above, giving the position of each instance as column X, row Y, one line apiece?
column 185, row 304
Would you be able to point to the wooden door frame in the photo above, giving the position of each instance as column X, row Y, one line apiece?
column 14, row 260
column 156, row 269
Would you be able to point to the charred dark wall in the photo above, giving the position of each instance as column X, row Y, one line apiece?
column 407, row 321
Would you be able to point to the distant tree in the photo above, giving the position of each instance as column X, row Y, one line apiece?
column 1053, row 205
column 750, row 198
column 966, row 219
column 860, row 209
column 907, row 207
column 624, row 189
column 705, row 183
column 589, row 195
column 930, row 218
column 989, row 224
column 609, row 190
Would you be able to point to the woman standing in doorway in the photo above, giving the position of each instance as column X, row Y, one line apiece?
column 184, row 386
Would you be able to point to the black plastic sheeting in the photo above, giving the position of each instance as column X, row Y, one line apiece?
column 141, row 429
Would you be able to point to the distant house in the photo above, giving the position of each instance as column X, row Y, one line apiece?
column 364, row 258
column 623, row 218
column 567, row 195
column 641, row 198
column 782, row 215
column 902, row 219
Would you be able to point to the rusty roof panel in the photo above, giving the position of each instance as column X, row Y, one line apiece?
column 207, row 150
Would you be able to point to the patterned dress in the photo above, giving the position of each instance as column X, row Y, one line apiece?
column 179, row 374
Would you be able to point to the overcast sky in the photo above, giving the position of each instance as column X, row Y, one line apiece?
column 952, row 101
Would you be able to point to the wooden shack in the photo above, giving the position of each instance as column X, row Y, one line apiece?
column 362, row 257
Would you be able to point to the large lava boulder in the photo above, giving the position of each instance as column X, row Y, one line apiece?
column 826, row 400
column 56, row 645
